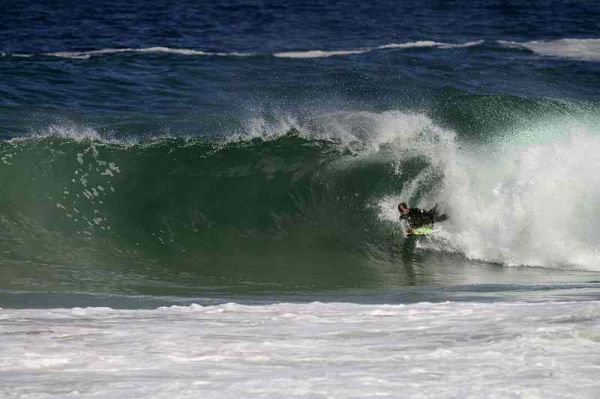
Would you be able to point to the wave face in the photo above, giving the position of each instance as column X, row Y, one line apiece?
column 230, row 211
column 308, row 203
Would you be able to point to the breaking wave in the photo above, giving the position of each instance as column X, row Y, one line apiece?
column 283, row 200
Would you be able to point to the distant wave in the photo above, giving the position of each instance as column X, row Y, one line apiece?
column 84, row 55
column 580, row 49
column 407, row 45
column 429, row 43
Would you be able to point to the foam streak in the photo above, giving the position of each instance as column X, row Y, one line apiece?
column 395, row 46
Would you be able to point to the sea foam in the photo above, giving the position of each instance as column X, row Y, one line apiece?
column 315, row 53
column 330, row 349
column 84, row 55
column 389, row 46
column 580, row 49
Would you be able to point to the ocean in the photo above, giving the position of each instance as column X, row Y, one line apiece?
column 199, row 199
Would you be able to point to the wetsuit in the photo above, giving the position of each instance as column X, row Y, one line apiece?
column 418, row 217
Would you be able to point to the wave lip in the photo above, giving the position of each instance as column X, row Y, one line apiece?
column 579, row 49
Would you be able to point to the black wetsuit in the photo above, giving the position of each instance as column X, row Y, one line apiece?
column 418, row 217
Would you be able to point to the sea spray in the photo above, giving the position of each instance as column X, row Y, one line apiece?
column 533, row 205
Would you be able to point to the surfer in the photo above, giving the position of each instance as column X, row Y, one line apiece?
column 416, row 217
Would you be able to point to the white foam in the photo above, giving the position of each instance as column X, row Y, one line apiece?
column 408, row 45
column 529, row 204
column 75, row 132
column 318, row 53
column 429, row 43
column 67, row 131
column 530, row 198
column 146, row 50
column 580, row 49
column 314, row 349
column 84, row 55
column 503, row 198
column 396, row 46
column 474, row 43
column 374, row 132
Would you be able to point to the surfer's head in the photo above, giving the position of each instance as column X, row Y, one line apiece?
column 403, row 208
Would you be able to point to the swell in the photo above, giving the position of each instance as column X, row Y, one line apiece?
column 161, row 50
column 586, row 49
column 251, row 210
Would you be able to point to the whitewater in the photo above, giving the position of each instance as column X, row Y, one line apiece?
column 311, row 350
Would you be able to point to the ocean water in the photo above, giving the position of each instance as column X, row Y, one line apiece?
column 198, row 199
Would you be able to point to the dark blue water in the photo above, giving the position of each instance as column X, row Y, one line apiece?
column 132, row 183
column 170, row 93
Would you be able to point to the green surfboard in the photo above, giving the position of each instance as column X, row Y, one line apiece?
column 421, row 231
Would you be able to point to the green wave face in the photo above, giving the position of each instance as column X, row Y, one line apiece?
column 284, row 212
column 306, row 205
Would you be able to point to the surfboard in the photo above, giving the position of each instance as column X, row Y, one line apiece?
column 421, row 231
